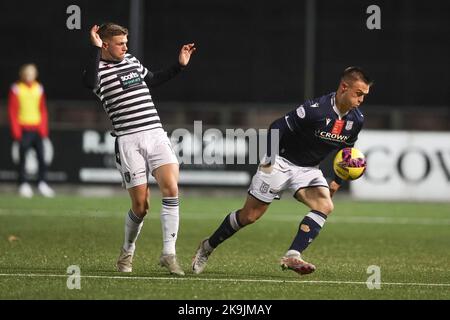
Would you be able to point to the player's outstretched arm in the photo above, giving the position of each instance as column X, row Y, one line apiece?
column 90, row 73
column 157, row 78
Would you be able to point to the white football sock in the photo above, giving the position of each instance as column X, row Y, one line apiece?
column 292, row 253
column 133, row 226
column 169, row 223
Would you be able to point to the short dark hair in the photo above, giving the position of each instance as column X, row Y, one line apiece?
column 110, row 29
column 355, row 74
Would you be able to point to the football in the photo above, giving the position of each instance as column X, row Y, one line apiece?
column 349, row 164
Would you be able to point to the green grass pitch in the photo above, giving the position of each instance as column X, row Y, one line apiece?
column 40, row 238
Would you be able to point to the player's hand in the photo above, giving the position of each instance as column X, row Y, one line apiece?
column 95, row 38
column 185, row 53
column 334, row 187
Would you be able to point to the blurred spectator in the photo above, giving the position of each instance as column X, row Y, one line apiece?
column 29, row 126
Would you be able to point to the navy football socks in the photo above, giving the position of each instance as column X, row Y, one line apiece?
column 309, row 228
column 229, row 226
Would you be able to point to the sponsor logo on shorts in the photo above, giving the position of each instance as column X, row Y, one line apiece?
column 127, row 177
column 136, row 173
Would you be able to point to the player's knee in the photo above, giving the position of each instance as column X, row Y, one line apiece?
column 248, row 216
column 170, row 190
column 326, row 206
column 140, row 207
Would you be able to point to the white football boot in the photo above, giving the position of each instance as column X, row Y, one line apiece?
column 201, row 257
column 125, row 261
column 293, row 261
column 170, row 262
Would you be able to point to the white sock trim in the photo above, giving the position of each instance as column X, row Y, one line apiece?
column 233, row 221
column 318, row 219
column 295, row 253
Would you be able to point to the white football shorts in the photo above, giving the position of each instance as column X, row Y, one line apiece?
column 138, row 154
column 269, row 183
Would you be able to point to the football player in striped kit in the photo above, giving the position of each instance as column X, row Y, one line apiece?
column 122, row 84
column 307, row 135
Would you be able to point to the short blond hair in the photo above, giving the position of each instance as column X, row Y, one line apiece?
column 110, row 29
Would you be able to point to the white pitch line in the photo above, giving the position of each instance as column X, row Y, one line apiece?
column 31, row 275
column 277, row 217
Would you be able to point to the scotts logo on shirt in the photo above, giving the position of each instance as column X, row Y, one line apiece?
column 129, row 79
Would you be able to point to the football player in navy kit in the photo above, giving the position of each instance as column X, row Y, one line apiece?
column 307, row 135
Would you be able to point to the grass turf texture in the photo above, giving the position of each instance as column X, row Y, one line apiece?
column 408, row 241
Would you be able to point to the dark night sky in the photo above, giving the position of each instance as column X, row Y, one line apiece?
column 247, row 50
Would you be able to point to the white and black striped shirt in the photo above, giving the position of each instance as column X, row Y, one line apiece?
column 125, row 96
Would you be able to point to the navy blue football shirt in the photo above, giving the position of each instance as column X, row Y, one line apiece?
column 315, row 129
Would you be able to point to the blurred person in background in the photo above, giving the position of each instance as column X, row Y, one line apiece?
column 29, row 126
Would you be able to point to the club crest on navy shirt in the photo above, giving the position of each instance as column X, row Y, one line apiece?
column 349, row 125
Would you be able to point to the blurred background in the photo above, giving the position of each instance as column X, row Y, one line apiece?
column 255, row 61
